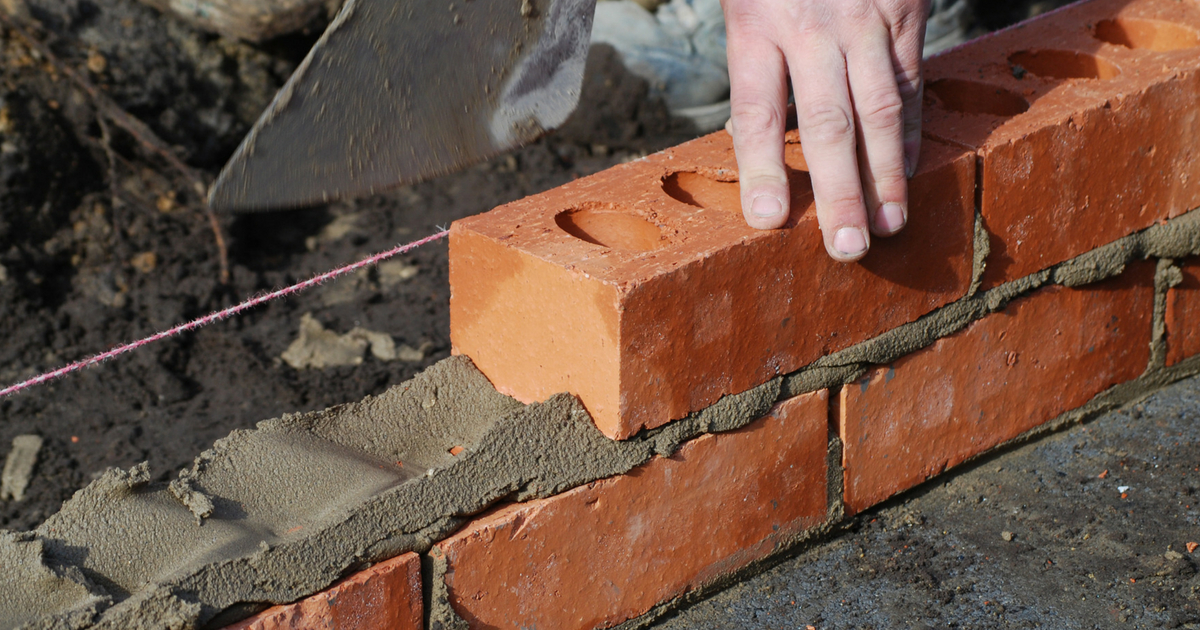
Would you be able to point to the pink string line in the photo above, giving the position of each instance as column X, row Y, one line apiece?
column 220, row 315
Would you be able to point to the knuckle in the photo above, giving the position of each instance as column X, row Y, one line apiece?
column 828, row 123
column 754, row 118
column 858, row 10
column 891, row 185
column 882, row 110
column 744, row 18
column 844, row 200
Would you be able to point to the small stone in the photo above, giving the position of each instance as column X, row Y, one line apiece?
column 1192, row 546
column 316, row 347
column 18, row 468
column 383, row 347
column 1173, row 555
column 339, row 228
column 409, row 354
column 1007, row 536
column 394, row 272
column 166, row 203
column 3, row 274
column 96, row 62
column 144, row 262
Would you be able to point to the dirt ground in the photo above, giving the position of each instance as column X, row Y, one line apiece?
column 98, row 250
column 1083, row 529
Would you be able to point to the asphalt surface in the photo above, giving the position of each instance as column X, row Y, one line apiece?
column 1086, row 528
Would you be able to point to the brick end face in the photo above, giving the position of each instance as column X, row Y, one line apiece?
column 609, row 551
column 386, row 596
column 534, row 328
column 1045, row 354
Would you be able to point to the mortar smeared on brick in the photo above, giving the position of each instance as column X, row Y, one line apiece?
column 287, row 509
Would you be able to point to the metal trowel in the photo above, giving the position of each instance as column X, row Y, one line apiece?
column 399, row 91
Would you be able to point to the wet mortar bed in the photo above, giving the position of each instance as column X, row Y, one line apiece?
column 96, row 249
column 1082, row 529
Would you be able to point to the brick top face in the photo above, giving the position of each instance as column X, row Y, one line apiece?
column 1009, row 84
column 655, row 215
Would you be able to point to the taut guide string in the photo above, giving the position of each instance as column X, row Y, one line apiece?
column 222, row 314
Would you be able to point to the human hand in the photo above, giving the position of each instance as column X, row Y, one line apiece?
column 855, row 67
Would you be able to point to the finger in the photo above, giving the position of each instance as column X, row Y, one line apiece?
column 828, row 137
column 758, row 109
column 908, row 42
column 879, row 114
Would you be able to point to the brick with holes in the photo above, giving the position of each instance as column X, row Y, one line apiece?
column 1085, row 122
column 642, row 291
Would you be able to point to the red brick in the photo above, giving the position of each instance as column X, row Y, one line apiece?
column 609, row 551
column 1183, row 314
column 1108, row 145
column 386, row 596
column 1044, row 355
column 686, row 303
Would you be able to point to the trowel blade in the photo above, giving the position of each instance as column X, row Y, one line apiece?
column 399, row 91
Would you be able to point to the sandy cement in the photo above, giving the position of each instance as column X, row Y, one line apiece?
column 277, row 513
column 280, row 512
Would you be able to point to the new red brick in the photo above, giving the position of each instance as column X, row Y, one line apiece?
column 386, row 596
column 1044, row 355
column 1183, row 314
column 1109, row 144
column 609, row 551
column 642, row 290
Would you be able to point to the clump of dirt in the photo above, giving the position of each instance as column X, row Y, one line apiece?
column 101, row 242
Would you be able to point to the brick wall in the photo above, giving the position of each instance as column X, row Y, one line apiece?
column 1048, row 272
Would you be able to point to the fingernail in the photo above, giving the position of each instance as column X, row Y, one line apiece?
column 890, row 218
column 766, row 206
column 850, row 241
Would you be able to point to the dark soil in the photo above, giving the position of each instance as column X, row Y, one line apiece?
column 95, row 251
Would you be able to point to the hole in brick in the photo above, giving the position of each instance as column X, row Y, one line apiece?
column 701, row 191
column 969, row 97
column 611, row 226
column 1153, row 35
column 1063, row 64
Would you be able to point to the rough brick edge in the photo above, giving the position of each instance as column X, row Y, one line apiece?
column 387, row 595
